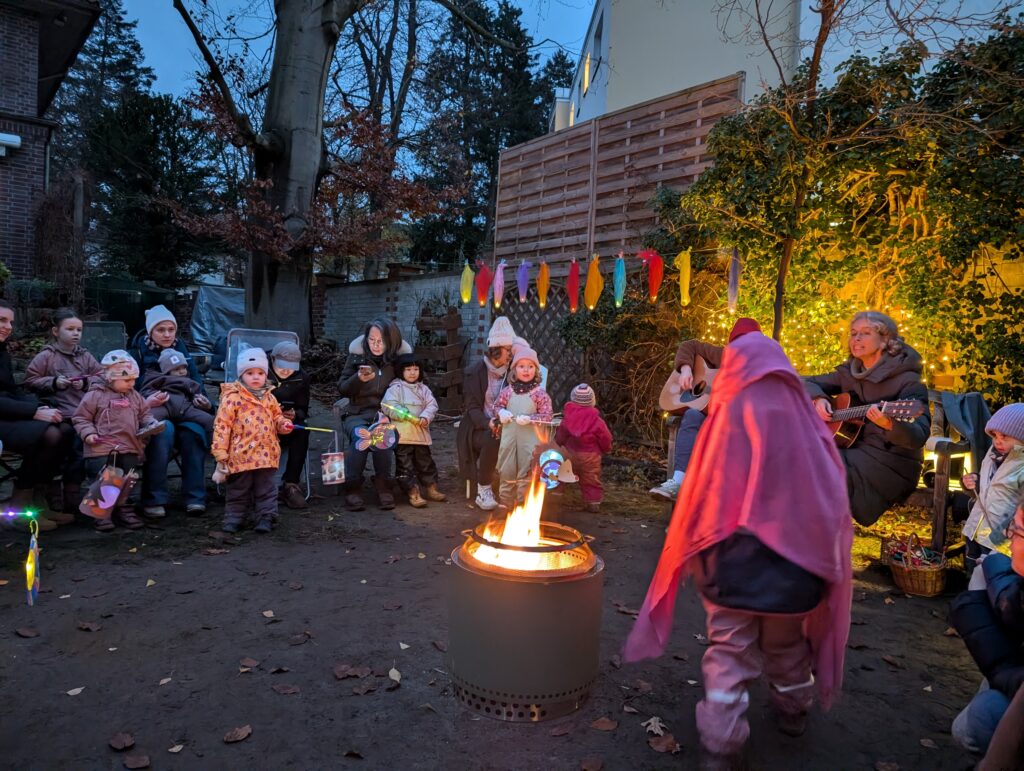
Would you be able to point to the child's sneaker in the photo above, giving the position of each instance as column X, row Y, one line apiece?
column 151, row 429
column 485, row 499
column 669, row 490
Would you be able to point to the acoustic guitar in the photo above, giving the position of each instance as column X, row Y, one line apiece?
column 675, row 401
column 847, row 421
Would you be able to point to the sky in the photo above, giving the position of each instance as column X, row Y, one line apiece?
column 171, row 52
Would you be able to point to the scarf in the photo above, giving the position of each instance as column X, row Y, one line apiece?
column 259, row 393
column 519, row 387
column 495, row 382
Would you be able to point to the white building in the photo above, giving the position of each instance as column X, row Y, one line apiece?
column 638, row 50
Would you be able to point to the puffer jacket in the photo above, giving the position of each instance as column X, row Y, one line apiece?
column 49, row 363
column 245, row 430
column 364, row 398
column 998, row 489
column 991, row 623
column 148, row 357
column 412, row 398
column 115, row 417
column 883, row 467
column 583, row 430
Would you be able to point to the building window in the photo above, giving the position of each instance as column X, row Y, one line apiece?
column 586, row 73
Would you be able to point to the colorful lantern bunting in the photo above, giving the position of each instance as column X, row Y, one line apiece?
column 572, row 286
column 734, row 279
column 466, row 284
column 595, row 283
column 619, row 279
column 499, row 284
column 523, row 280
column 655, row 272
column 682, row 263
column 543, row 284
column 483, row 282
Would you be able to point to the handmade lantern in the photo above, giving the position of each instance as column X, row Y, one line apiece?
column 595, row 283
column 523, row 280
column 499, row 284
column 543, row 284
column 572, row 286
column 32, row 563
column 378, row 436
column 466, row 284
column 483, row 282
column 655, row 272
column 555, row 468
column 682, row 264
column 734, row 279
column 619, row 279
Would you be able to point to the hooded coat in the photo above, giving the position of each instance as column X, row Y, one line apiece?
column 42, row 372
column 764, row 465
column 883, row 467
column 245, row 430
column 583, row 430
column 418, row 401
column 114, row 416
column 364, row 397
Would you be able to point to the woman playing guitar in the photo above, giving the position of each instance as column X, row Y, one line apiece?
column 883, row 467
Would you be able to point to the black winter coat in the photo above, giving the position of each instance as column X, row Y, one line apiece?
column 364, row 398
column 883, row 467
column 15, row 404
column 991, row 623
column 474, row 390
column 294, row 391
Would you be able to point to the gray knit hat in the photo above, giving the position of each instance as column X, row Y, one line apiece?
column 170, row 358
column 251, row 358
column 1008, row 420
column 287, row 355
column 584, row 394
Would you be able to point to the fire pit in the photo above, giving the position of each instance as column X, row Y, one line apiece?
column 524, row 616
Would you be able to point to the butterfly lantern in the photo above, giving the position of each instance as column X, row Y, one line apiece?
column 555, row 468
column 109, row 491
column 32, row 564
column 378, row 436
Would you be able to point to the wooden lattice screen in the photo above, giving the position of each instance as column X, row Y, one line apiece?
column 540, row 328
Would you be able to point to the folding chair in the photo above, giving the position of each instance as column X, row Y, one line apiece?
column 99, row 337
column 242, row 339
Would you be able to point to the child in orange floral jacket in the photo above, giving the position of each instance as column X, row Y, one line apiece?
column 245, row 444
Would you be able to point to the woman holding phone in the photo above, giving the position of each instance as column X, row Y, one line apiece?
column 369, row 370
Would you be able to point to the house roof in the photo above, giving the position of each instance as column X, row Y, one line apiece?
column 64, row 26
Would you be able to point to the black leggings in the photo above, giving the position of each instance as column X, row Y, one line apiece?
column 44, row 458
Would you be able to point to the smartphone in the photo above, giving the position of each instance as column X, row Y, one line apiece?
column 365, row 368
column 286, row 405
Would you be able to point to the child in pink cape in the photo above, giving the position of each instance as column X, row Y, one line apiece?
column 762, row 524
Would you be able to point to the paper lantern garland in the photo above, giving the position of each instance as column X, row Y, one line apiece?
column 655, row 272
column 595, row 283
column 32, row 564
column 483, row 283
column 499, row 284
column 572, row 286
column 523, row 280
column 543, row 284
column 619, row 279
column 682, row 263
column 466, row 284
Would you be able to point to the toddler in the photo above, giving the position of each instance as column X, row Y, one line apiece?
column 113, row 422
column 410, row 404
column 524, row 410
column 585, row 436
column 187, row 402
column 245, row 444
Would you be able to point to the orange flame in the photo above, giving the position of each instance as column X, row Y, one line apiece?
column 520, row 528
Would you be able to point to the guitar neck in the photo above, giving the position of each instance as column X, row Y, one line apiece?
column 851, row 413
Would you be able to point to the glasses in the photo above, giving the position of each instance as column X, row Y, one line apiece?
column 1013, row 529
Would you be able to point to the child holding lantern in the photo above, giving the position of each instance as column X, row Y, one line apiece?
column 585, row 436
column 524, row 410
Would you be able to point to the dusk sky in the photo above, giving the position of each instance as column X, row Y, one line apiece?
column 171, row 53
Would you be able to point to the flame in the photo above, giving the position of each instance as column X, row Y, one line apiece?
column 520, row 528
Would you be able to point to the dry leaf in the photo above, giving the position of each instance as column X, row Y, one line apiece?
column 363, row 581
column 429, row 706
column 214, row 552
column 238, row 734
column 561, row 730
column 441, row 646
column 4, row 582
column 666, row 743
column 393, row 558
column 604, row 724
column 111, row 649
column 136, row 761
column 643, row 687
column 892, row 662
column 353, row 754
column 285, row 690
column 403, row 646
column 93, row 595
column 927, row 688
column 121, row 741
column 592, row 764
column 395, row 675
column 295, row 585
column 341, row 671
column 654, row 726
column 150, row 582
column 298, row 639
column 89, row 626
column 630, row 709
column 392, row 605
column 268, row 614
column 76, row 691
column 165, row 681
column 616, row 661
column 421, row 556
column 249, row 663
column 243, row 670
column 890, row 601
column 64, row 597
column 176, row 748
column 929, row 744
column 133, row 550
column 950, row 632
column 691, row 682
column 856, row 646
column 364, row 687
column 26, row 631
column 279, row 670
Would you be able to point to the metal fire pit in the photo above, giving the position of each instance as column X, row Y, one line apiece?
column 523, row 645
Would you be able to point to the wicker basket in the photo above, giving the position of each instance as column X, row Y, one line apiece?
column 919, row 580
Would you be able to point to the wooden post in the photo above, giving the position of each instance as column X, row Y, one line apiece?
column 446, row 384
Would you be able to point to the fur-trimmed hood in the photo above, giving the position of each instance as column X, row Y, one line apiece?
column 357, row 347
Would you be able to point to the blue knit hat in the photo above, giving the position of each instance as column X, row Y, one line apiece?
column 1008, row 420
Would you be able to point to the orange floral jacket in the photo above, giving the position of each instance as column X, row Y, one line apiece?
column 245, row 431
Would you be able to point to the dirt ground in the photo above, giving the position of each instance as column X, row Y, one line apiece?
column 175, row 612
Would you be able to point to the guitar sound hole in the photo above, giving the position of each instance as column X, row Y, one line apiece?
column 698, row 388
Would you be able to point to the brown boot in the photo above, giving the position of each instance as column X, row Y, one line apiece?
column 126, row 517
column 53, row 495
column 354, row 501
column 433, row 494
column 41, row 504
column 292, row 497
column 384, row 496
column 72, row 496
column 415, row 499
column 21, row 501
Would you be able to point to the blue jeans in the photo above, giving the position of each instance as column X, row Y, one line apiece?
column 191, row 444
column 686, row 437
column 355, row 460
column 974, row 726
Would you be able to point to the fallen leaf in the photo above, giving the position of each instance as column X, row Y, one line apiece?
column 392, row 605
column 561, row 730
column 341, row 671
column 616, row 661
column 285, row 690
column 243, row 670
column 403, row 646
column 592, row 764
column 64, row 597
column 666, row 743
column 927, row 688
column 93, row 595
column 250, row 663
column 176, row 748
column 395, row 675
column 604, row 724
column 421, row 556
column 133, row 550
column 858, row 646
column 165, row 681
column 886, row 765
column 89, row 626
column 295, row 585
column 363, row 581
column 150, row 582
column 26, row 631
column 890, row 601
column 76, row 691
column 621, row 607
column 691, row 682
column 619, row 530
column 4, row 582
column 238, row 734
column 654, row 726
column 279, row 670
column 364, row 687
column 702, row 639
column 111, row 649
column 951, row 632
column 393, row 558
column 268, row 614
column 353, row 754
column 630, row 709
column 440, row 645
column 122, row 741
column 428, row 706
column 642, row 686
column 215, row 552
column 136, row 761
column 298, row 639
column 892, row 662
column 929, row 744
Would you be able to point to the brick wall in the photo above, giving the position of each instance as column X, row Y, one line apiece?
column 19, row 62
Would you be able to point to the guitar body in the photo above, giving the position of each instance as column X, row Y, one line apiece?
column 846, row 432
column 675, row 402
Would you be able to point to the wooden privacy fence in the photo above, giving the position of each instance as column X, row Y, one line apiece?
column 446, row 383
column 585, row 189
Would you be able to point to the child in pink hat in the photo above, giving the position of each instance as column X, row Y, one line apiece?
column 524, row 414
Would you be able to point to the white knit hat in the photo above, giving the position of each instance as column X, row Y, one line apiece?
column 157, row 314
column 118, row 365
column 501, row 333
column 251, row 358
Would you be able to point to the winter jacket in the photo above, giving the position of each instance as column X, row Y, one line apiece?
column 474, row 418
column 541, row 401
column 42, row 372
column 293, row 390
column 148, row 356
column 583, row 430
column 998, row 489
column 991, row 623
column 883, row 468
column 115, row 417
column 15, row 404
column 245, row 431
column 689, row 350
column 364, row 398
column 416, row 399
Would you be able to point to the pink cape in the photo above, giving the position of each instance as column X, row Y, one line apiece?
column 764, row 462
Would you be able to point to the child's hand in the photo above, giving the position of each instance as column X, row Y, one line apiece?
column 285, row 427
column 157, row 398
column 220, row 476
column 201, row 402
column 504, row 416
column 61, row 383
column 969, row 481
column 80, row 383
column 422, row 422
column 92, row 439
column 523, row 420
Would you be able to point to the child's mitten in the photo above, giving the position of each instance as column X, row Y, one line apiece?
column 504, row 416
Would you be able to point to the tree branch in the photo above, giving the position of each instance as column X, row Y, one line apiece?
column 473, row 25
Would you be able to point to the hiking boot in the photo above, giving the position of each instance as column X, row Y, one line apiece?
column 126, row 517
column 433, row 494
column 415, row 499
column 384, row 496
column 354, row 502
column 485, row 499
column 103, row 525
column 791, row 724
column 292, row 497
column 263, row 526
column 668, row 490
column 594, row 507
column 41, row 502
column 53, row 494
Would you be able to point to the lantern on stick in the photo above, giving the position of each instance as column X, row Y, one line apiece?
column 543, row 284
column 499, row 284
column 619, row 279
column 572, row 286
column 682, row 263
column 483, row 283
column 655, row 272
column 466, row 284
column 595, row 283
column 523, row 280
column 734, row 279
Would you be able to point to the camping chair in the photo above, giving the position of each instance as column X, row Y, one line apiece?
column 99, row 337
column 241, row 339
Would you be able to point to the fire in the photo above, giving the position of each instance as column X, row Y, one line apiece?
column 521, row 528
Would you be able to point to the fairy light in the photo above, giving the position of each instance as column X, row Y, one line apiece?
column 27, row 513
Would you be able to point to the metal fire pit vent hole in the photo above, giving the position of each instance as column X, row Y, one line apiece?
column 521, row 707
